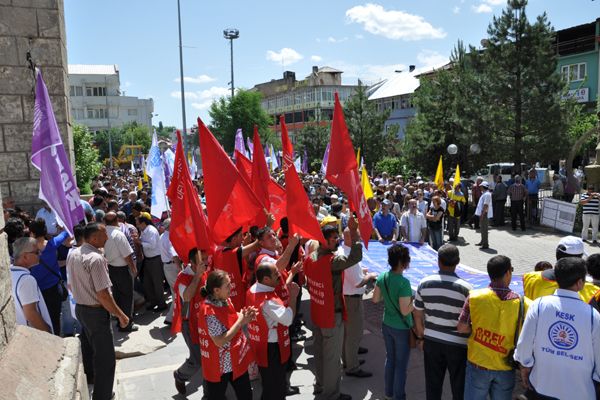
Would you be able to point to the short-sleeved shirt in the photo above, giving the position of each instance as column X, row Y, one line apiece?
column 167, row 251
column 385, row 224
column 27, row 292
column 486, row 198
column 216, row 328
column 398, row 287
column 533, row 186
column 50, row 218
column 117, row 247
column 413, row 223
column 88, row 273
column 592, row 207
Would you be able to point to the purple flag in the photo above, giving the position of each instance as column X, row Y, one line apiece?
column 239, row 142
column 250, row 147
column 325, row 159
column 305, row 163
column 57, row 186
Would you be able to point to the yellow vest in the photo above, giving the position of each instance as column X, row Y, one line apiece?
column 535, row 285
column 456, row 198
column 493, row 324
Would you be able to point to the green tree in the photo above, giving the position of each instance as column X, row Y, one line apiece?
column 313, row 137
column 126, row 134
column 87, row 165
column 242, row 111
column 529, row 116
column 366, row 126
column 164, row 132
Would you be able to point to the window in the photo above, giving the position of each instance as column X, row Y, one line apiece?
column 97, row 113
column 573, row 72
column 77, row 113
column 75, row 90
column 95, row 91
column 132, row 112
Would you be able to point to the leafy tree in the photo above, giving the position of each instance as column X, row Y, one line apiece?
column 391, row 165
column 127, row 134
column 164, row 132
column 365, row 125
column 313, row 137
column 87, row 165
column 529, row 115
column 242, row 111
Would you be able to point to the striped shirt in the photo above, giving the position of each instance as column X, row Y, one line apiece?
column 517, row 192
column 88, row 274
column 592, row 207
column 441, row 297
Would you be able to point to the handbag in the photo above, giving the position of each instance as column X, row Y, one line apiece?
column 412, row 336
column 510, row 359
column 62, row 285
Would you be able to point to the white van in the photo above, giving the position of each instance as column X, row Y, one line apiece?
column 504, row 169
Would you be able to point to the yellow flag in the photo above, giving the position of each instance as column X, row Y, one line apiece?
column 439, row 175
column 366, row 185
column 358, row 159
column 145, row 175
column 457, row 176
column 140, row 186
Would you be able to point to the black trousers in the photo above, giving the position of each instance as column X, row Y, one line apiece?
column 53, row 302
column 241, row 387
column 499, row 212
column 153, row 281
column 97, row 349
column 273, row 376
column 122, row 289
column 439, row 358
column 516, row 209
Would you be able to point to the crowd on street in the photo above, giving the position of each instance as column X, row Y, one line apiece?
column 237, row 304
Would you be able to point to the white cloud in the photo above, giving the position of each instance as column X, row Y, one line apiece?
column 202, row 106
column 393, row 24
column 368, row 73
column 482, row 8
column 331, row 39
column 431, row 59
column 359, row 36
column 188, row 95
column 199, row 79
column 285, row 56
column 495, row 2
column 128, row 84
column 204, row 98
column 316, row 58
column 456, row 10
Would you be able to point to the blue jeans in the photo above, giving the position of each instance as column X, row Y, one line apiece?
column 436, row 238
column 396, row 362
column 69, row 326
column 479, row 383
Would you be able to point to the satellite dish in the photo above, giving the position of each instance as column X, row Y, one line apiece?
column 452, row 149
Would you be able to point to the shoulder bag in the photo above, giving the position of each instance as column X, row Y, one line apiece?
column 510, row 359
column 412, row 336
column 62, row 286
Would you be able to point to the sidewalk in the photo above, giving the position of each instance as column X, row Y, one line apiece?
column 150, row 376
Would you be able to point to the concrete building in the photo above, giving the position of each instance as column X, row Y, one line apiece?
column 98, row 102
column 578, row 53
column 305, row 100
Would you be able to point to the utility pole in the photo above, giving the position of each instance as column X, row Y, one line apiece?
column 230, row 34
column 181, row 78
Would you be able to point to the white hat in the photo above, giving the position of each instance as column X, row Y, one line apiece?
column 485, row 184
column 572, row 245
column 334, row 196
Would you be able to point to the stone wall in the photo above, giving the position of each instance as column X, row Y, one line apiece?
column 36, row 26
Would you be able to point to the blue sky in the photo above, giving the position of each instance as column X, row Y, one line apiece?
column 365, row 40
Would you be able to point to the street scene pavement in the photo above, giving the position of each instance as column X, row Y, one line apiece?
column 150, row 376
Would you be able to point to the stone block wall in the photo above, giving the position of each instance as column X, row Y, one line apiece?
column 36, row 26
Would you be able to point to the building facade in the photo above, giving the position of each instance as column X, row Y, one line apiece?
column 98, row 102
column 578, row 52
column 304, row 101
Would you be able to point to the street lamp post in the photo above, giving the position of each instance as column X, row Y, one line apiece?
column 231, row 33
column 181, row 76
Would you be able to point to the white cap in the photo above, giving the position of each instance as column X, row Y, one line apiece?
column 572, row 245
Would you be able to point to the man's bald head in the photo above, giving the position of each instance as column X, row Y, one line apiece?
column 110, row 219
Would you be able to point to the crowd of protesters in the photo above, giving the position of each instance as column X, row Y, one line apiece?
column 237, row 306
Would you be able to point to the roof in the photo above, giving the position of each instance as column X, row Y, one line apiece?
column 91, row 69
column 330, row 70
column 401, row 83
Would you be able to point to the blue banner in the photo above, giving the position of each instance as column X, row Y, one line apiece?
column 423, row 262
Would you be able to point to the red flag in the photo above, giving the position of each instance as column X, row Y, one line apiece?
column 342, row 171
column 243, row 165
column 260, row 176
column 278, row 200
column 230, row 201
column 300, row 212
column 189, row 227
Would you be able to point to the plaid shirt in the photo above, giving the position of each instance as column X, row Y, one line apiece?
column 503, row 292
column 517, row 192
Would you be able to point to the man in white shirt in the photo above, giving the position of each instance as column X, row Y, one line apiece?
column 171, row 265
column 355, row 280
column 278, row 318
column 153, row 268
column 121, row 268
column 559, row 345
column 30, row 307
column 484, row 211
column 47, row 215
column 413, row 224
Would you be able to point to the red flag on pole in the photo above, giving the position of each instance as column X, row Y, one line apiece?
column 243, row 165
column 230, row 201
column 300, row 212
column 342, row 171
column 189, row 227
column 260, row 171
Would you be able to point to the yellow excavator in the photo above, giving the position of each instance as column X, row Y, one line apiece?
column 127, row 153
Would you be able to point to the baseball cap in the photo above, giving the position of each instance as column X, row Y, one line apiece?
column 485, row 184
column 328, row 220
column 386, row 202
column 146, row 215
column 571, row 245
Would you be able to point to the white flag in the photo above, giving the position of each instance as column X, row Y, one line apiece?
column 157, row 174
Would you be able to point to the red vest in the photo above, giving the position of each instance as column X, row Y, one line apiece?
column 281, row 290
column 320, row 287
column 186, row 279
column 239, row 348
column 259, row 331
column 227, row 260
